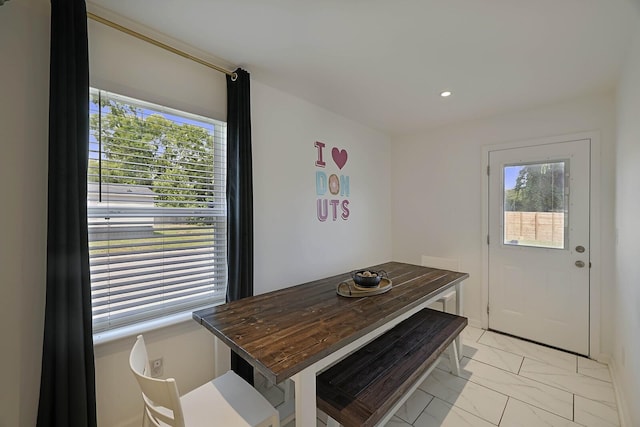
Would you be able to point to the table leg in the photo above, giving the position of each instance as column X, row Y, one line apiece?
column 305, row 382
column 459, row 312
column 454, row 361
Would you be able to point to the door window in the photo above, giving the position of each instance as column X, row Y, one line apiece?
column 535, row 204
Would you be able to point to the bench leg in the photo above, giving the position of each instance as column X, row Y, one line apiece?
column 332, row 423
column 446, row 304
column 287, row 408
column 459, row 312
column 454, row 362
column 288, row 390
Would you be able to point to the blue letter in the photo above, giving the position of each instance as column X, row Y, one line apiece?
column 344, row 186
column 321, row 183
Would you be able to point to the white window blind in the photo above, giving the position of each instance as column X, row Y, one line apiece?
column 156, row 210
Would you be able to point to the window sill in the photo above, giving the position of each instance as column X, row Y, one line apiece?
column 136, row 329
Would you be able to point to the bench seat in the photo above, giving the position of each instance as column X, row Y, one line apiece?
column 361, row 389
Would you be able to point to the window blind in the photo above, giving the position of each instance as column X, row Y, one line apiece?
column 156, row 210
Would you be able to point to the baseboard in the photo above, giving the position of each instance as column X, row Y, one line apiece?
column 623, row 411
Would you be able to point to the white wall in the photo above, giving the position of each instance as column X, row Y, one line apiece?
column 626, row 292
column 24, row 94
column 436, row 188
column 127, row 66
column 291, row 245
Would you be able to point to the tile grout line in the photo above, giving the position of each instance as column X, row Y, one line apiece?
column 462, row 409
column 423, row 409
column 577, row 375
column 569, row 391
column 573, row 396
column 504, row 370
column 520, row 368
column 538, row 361
column 518, row 354
column 527, row 342
column 493, row 366
column 421, row 412
column 522, row 376
column 593, row 376
column 506, row 395
column 544, row 410
column 504, row 410
column 466, row 380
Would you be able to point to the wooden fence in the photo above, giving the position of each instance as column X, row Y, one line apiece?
column 542, row 227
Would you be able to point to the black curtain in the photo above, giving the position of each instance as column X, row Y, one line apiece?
column 239, row 200
column 67, row 387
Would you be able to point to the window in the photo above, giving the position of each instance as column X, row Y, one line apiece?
column 535, row 208
column 156, row 210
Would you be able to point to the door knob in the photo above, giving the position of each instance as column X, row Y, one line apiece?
column 579, row 264
column 580, row 249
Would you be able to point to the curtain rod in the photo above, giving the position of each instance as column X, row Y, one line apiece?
column 154, row 42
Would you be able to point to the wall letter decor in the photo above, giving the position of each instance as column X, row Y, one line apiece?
column 337, row 184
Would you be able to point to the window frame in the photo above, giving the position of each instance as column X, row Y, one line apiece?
column 214, row 214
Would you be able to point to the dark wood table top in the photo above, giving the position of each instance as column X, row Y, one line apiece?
column 282, row 332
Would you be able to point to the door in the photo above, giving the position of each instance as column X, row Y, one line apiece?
column 539, row 243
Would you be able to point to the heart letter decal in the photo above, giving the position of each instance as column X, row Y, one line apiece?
column 339, row 156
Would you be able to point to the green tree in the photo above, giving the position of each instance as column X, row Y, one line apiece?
column 538, row 188
column 174, row 159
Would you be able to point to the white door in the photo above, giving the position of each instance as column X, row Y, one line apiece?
column 539, row 243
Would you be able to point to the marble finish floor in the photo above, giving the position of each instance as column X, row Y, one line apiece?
column 503, row 382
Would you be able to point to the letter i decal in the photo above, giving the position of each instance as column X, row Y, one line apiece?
column 320, row 145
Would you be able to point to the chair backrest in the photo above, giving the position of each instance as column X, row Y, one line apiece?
column 161, row 397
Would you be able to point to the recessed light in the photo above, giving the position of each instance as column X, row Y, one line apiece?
column 445, row 94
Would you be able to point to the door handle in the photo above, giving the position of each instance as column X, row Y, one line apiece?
column 579, row 264
column 580, row 249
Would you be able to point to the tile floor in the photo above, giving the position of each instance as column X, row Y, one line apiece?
column 504, row 382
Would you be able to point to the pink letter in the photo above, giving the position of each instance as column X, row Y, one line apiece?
column 345, row 209
column 334, row 205
column 322, row 216
column 320, row 145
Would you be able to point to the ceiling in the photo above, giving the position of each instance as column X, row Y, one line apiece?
column 384, row 63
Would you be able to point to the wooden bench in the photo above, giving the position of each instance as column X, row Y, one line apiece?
column 370, row 385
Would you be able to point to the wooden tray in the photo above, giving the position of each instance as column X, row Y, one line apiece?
column 350, row 290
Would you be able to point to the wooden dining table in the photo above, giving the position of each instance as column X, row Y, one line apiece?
column 298, row 331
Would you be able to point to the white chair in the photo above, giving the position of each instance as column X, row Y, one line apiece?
column 226, row 401
column 444, row 264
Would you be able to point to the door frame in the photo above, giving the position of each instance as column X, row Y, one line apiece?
column 594, row 229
